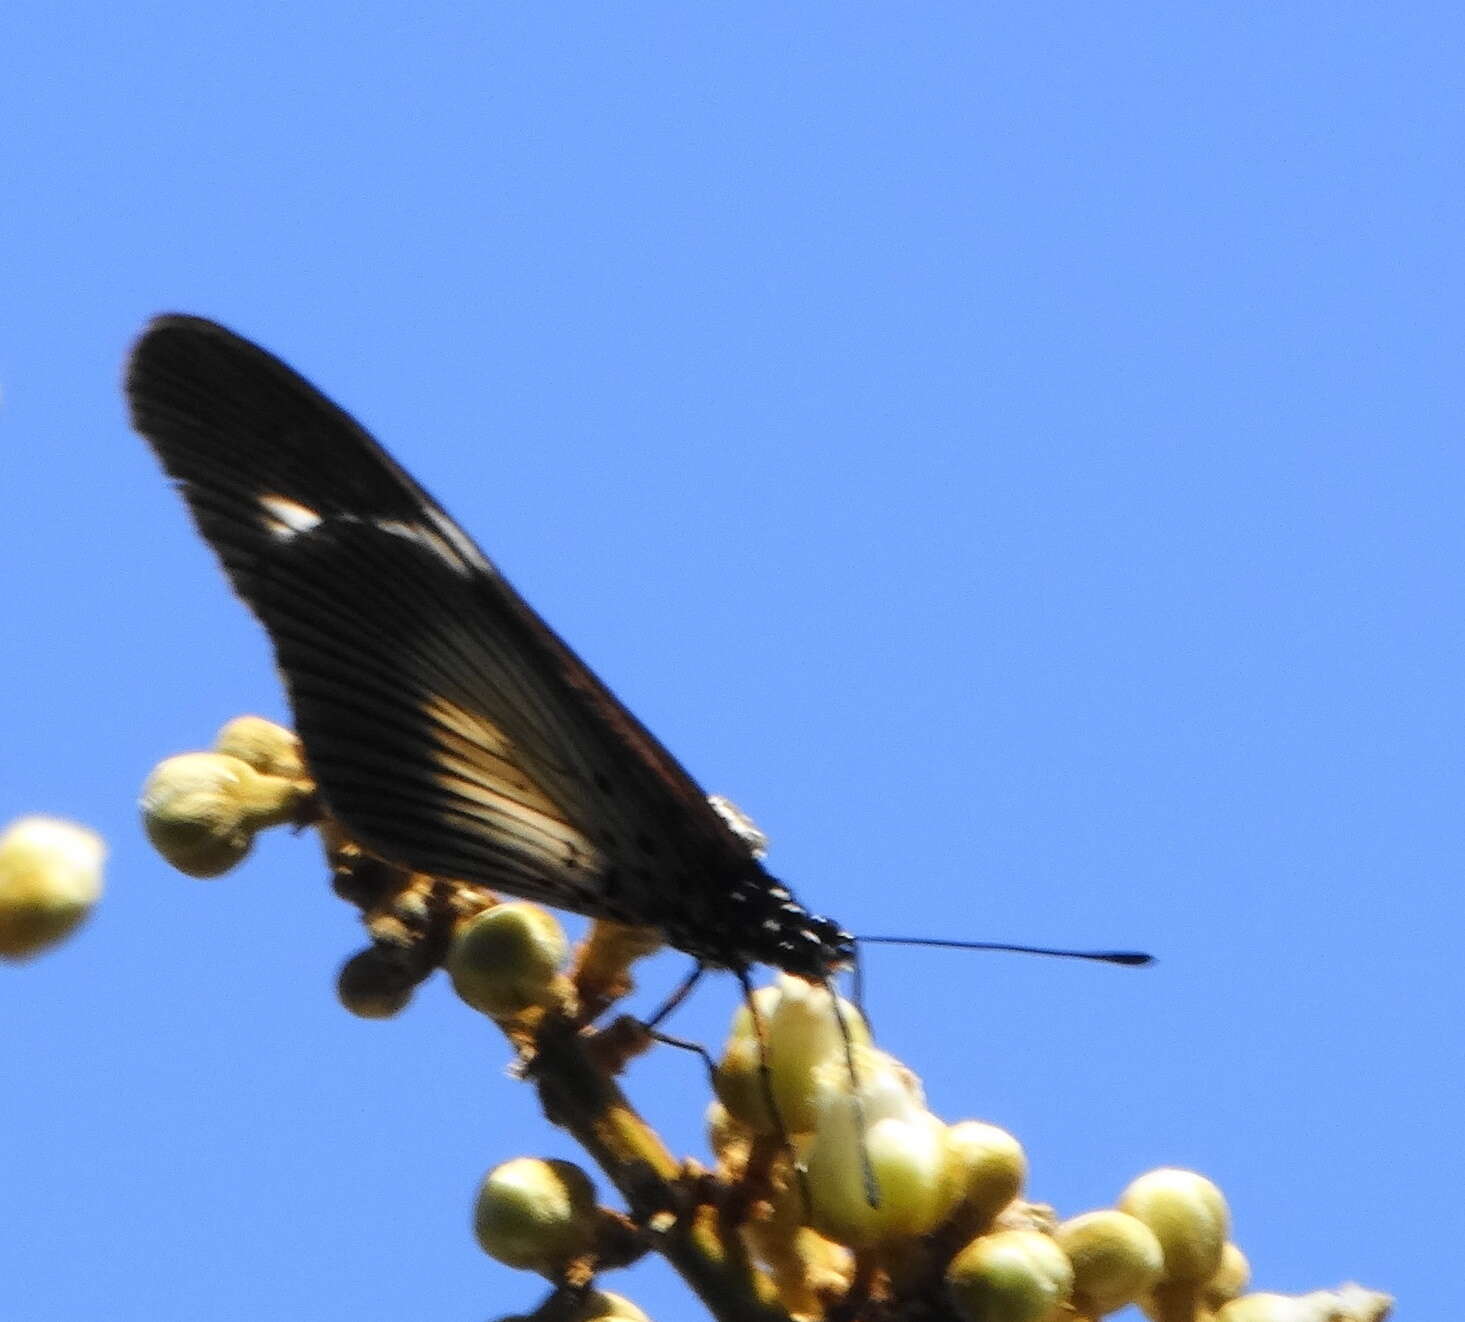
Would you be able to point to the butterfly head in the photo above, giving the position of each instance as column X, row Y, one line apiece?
column 815, row 948
column 769, row 926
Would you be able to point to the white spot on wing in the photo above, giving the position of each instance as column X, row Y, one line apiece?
column 286, row 518
column 399, row 529
column 429, row 537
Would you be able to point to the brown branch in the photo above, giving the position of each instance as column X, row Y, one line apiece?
column 664, row 1196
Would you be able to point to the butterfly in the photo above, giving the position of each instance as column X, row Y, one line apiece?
column 448, row 728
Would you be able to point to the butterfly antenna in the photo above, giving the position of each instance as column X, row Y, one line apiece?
column 765, row 1080
column 1133, row 958
column 857, row 987
column 867, row 1168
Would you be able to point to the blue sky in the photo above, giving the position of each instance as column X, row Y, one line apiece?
column 1015, row 453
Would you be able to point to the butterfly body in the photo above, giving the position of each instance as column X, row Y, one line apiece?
column 448, row 728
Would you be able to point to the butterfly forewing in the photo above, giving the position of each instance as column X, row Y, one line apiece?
column 448, row 727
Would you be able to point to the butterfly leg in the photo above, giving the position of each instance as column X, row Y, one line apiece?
column 628, row 1036
column 872, row 1191
column 679, row 994
column 686, row 1044
column 765, row 1080
column 857, row 988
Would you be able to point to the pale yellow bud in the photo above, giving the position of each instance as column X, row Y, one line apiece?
column 270, row 749
column 1348, row 1303
column 537, row 1215
column 50, row 876
column 1266, row 1307
column 801, row 1033
column 738, row 1082
column 1230, row 1279
column 1009, row 1276
column 201, row 810
column 602, row 1306
column 507, row 959
column 986, row 1168
column 1116, row 1259
column 1189, row 1217
column 724, row 1133
column 903, row 1144
column 764, row 999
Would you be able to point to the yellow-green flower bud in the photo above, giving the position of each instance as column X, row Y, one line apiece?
column 1267, row 1307
column 1116, row 1259
column 801, row 1033
column 371, row 985
column 507, row 959
column 270, row 749
column 201, row 810
column 723, row 1131
column 986, row 1168
column 1230, row 1279
column 1189, row 1217
column 1009, row 1276
column 537, row 1215
column 764, row 999
column 903, row 1143
column 50, row 876
column 1348, row 1303
column 602, row 1306
column 738, row 1082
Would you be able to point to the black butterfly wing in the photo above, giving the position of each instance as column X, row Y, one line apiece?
column 448, row 727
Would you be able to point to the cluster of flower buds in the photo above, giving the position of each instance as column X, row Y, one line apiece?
column 846, row 1186
column 202, row 810
column 895, row 1192
column 50, row 877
